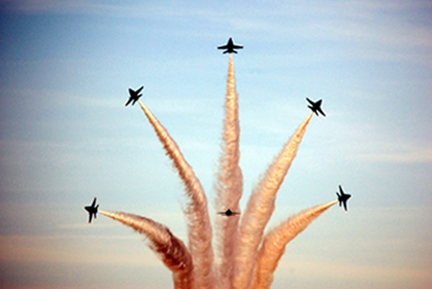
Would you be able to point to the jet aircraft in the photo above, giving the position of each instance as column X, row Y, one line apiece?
column 92, row 210
column 343, row 198
column 316, row 106
column 228, row 213
column 134, row 95
column 230, row 47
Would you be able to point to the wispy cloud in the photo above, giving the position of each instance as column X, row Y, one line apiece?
column 60, row 249
column 399, row 153
column 71, row 7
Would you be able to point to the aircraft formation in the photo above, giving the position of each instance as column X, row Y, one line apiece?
column 229, row 47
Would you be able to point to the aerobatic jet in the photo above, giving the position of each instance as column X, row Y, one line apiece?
column 230, row 46
column 316, row 106
column 229, row 213
column 92, row 210
column 134, row 95
column 343, row 198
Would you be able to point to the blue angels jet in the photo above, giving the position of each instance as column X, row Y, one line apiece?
column 316, row 106
column 228, row 213
column 134, row 95
column 230, row 46
column 92, row 210
column 343, row 198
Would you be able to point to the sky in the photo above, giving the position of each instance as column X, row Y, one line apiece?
column 66, row 136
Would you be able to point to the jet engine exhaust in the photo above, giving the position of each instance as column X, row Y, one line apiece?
column 229, row 181
column 196, row 211
column 275, row 241
column 260, row 207
column 170, row 249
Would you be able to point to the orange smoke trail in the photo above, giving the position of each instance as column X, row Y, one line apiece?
column 199, row 226
column 170, row 249
column 273, row 246
column 260, row 208
column 229, row 182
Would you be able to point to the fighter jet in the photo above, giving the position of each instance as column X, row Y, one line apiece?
column 92, row 210
column 316, row 106
column 230, row 46
column 134, row 95
column 228, row 213
column 343, row 198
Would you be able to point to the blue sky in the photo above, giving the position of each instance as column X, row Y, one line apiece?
column 65, row 135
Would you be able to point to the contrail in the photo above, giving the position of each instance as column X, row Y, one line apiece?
column 196, row 211
column 170, row 249
column 273, row 246
column 260, row 208
column 229, row 182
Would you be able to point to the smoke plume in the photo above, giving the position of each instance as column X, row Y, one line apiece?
column 260, row 208
column 170, row 249
column 196, row 211
column 274, row 243
column 229, row 182
column 245, row 259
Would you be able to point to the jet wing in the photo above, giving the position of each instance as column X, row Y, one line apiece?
column 223, row 47
column 129, row 101
column 237, row 47
column 90, row 217
column 345, row 205
column 139, row 90
column 322, row 112
column 340, row 189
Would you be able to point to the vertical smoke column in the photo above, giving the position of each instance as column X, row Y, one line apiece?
column 199, row 227
column 274, row 243
column 170, row 249
column 229, row 182
column 260, row 208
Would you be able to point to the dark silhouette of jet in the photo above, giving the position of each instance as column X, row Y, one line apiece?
column 316, row 106
column 228, row 213
column 92, row 210
column 134, row 95
column 343, row 198
column 230, row 46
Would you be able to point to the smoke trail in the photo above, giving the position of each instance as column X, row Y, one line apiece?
column 260, row 208
column 196, row 211
column 273, row 246
column 229, row 182
column 170, row 249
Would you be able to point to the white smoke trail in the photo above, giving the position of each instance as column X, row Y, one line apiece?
column 170, row 249
column 273, row 246
column 199, row 226
column 260, row 208
column 229, row 182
